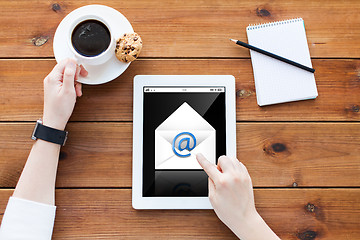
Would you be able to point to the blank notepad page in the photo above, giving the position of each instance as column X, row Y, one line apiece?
column 276, row 81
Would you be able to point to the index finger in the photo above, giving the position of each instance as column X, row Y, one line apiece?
column 210, row 168
column 83, row 71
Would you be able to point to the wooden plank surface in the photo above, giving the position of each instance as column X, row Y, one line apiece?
column 276, row 154
column 311, row 144
column 293, row 214
column 338, row 83
column 187, row 28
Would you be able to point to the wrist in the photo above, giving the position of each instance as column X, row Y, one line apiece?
column 246, row 228
column 53, row 123
column 254, row 227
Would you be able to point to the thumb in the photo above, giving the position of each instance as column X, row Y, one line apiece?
column 69, row 75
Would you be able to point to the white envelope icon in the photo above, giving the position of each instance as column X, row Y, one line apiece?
column 180, row 137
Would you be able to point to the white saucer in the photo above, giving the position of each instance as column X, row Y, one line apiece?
column 119, row 25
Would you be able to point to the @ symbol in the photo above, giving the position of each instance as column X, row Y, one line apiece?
column 185, row 139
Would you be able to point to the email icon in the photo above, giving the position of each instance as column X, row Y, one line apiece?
column 180, row 137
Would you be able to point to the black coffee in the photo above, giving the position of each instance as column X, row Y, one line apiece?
column 90, row 38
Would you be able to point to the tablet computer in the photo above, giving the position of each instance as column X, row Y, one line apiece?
column 176, row 117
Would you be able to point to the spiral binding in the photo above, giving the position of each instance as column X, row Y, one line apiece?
column 271, row 24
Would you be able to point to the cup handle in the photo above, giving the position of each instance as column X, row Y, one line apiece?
column 80, row 62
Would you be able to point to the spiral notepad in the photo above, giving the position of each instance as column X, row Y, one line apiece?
column 276, row 81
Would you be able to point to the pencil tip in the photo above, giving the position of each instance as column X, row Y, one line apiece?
column 233, row 40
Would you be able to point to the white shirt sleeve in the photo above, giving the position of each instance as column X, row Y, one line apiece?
column 24, row 219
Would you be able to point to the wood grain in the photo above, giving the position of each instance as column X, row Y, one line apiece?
column 187, row 28
column 293, row 214
column 338, row 83
column 282, row 146
column 276, row 154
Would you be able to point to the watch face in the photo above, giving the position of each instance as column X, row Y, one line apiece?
column 33, row 137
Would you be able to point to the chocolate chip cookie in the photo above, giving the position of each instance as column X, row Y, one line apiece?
column 128, row 47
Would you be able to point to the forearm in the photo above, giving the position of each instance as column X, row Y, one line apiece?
column 253, row 229
column 37, row 181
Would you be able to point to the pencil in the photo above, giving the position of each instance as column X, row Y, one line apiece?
column 273, row 55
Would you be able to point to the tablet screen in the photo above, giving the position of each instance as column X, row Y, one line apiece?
column 180, row 122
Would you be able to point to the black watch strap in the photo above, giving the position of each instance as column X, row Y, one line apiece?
column 49, row 134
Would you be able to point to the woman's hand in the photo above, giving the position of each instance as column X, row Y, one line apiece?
column 60, row 92
column 230, row 189
column 231, row 195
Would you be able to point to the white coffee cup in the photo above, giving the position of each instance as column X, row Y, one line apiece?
column 91, row 60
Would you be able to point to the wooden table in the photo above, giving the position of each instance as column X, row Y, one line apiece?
column 304, row 157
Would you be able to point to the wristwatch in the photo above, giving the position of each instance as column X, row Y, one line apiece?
column 49, row 134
